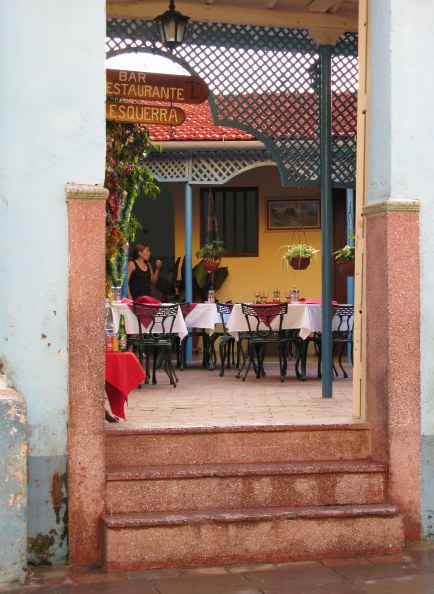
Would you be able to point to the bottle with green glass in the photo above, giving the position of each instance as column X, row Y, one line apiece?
column 122, row 335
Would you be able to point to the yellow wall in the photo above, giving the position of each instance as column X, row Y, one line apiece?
column 265, row 271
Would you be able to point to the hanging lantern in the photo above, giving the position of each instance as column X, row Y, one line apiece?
column 171, row 26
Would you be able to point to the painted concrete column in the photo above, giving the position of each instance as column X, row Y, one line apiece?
column 393, row 350
column 86, row 464
column 401, row 145
column 13, row 484
column 189, row 254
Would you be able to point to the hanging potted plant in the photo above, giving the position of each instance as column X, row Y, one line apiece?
column 298, row 255
column 345, row 257
column 211, row 253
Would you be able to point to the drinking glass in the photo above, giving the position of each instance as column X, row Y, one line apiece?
column 116, row 293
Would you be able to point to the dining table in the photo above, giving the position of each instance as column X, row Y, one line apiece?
column 131, row 324
column 123, row 373
column 201, row 320
column 302, row 316
column 202, row 315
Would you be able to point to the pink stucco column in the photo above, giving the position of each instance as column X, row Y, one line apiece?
column 86, row 456
column 393, row 350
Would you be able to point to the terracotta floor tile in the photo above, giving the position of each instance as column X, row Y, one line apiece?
column 344, row 562
column 390, row 559
column 250, row 568
column 414, row 584
column 207, row 584
column 90, row 578
column 205, row 571
column 227, row 401
column 297, row 577
column 376, row 571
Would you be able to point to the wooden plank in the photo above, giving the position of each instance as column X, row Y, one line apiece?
column 237, row 15
column 359, row 370
column 129, row 84
column 145, row 114
column 321, row 5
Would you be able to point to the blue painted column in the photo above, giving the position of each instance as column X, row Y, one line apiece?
column 326, row 218
column 350, row 231
column 188, row 252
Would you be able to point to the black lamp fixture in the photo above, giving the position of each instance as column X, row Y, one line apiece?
column 171, row 26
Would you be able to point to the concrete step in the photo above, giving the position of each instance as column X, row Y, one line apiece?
column 195, row 538
column 227, row 486
column 127, row 446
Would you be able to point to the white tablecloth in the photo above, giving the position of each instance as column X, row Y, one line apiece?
column 303, row 316
column 131, row 325
column 203, row 315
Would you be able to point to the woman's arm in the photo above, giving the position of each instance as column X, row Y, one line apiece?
column 155, row 274
column 131, row 267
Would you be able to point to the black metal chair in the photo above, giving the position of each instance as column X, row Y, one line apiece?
column 265, row 328
column 227, row 343
column 157, row 341
column 180, row 346
column 342, row 336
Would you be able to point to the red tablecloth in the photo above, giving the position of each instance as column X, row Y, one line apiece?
column 123, row 373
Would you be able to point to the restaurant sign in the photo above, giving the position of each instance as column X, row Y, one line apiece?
column 164, row 115
column 149, row 86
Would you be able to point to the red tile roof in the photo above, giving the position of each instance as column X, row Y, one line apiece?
column 198, row 126
column 298, row 110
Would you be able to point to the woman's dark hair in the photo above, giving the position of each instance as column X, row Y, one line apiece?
column 138, row 248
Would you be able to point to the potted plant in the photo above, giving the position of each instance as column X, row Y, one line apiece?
column 345, row 257
column 298, row 255
column 211, row 253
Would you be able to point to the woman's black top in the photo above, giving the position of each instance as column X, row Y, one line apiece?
column 140, row 282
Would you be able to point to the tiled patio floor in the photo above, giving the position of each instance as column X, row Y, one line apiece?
column 203, row 399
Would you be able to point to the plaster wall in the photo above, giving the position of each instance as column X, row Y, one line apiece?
column 52, row 126
column 400, row 167
column 266, row 270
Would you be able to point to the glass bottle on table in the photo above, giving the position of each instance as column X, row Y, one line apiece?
column 108, row 326
column 122, row 335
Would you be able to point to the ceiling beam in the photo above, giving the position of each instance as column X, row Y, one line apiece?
column 198, row 11
column 321, row 5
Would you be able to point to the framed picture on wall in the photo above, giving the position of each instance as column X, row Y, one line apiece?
column 293, row 213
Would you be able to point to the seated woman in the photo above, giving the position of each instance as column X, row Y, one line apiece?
column 140, row 273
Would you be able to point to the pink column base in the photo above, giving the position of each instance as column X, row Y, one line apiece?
column 393, row 355
column 86, row 462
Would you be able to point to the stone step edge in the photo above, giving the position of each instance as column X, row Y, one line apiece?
column 153, row 519
column 178, row 471
column 118, row 430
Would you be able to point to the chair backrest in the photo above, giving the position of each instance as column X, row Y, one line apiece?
column 344, row 320
column 157, row 319
column 185, row 308
column 224, row 310
column 264, row 320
